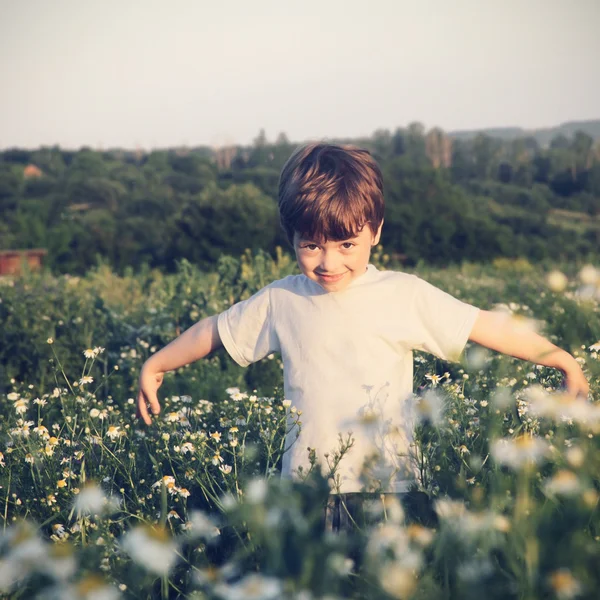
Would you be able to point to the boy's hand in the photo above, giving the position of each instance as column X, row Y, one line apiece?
column 575, row 381
column 150, row 381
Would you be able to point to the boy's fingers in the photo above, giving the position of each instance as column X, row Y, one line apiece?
column 153, row 401
column 142, row 410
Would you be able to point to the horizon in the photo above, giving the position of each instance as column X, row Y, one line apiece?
column 142, row 75
column 200, row 145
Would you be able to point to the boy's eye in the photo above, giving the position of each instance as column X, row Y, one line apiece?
column 310, row 247
column 348, row 245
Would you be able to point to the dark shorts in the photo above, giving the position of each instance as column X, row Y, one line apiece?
column 349, row 512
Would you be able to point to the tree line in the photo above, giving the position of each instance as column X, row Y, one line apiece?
column 447, row 200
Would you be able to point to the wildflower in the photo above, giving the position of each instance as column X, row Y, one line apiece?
column 216, row 459
column 28, row 459
column 172, row 514
column 12, row 396
column 51, row 499
column 187, row 447
column 575, row 457
column 151, row 548
column 98, row 350
column 589, row 275
column 565, row 586
column 58, row 529
column 42, row 431
column 564, row 483
column 501, row 523
column 114, row 432
column 48, row 450
column 450, row 510
column 226, row 469
column 252, row 587
column 90, row 500
column 41, row 402
column 398, row 581
column 184, row 492
column 595, row 347
column 50, row 341
column 216, row 436
column 430, row 407
column 256, row 492
column 286, row 403
column 61, row 483
column 562, row 407
column 523, row 451
column 85, row 380
column 200, row 525
column 420, row 534
column 21, row 406
column 557, row 281
column 94, row 412
column 89, row 353
column 172, row 417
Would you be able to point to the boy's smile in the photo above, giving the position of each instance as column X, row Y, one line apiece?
column 335, row 264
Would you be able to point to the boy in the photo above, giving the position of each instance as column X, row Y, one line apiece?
column 345, row 330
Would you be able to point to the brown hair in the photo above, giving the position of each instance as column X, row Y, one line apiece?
column 329, row 192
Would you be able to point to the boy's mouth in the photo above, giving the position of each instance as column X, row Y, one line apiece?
column 330, row 278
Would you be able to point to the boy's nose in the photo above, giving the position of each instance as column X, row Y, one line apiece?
column 329, row 264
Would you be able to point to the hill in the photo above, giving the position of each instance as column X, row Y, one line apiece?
column 543, row 136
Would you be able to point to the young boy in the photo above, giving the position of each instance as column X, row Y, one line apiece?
column 345, row 330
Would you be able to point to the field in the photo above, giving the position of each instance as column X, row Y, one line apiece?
column 96, row 506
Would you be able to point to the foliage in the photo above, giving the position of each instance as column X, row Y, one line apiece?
column 449, row 199
column 96, row 505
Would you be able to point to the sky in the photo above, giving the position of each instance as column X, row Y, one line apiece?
column 151, row 73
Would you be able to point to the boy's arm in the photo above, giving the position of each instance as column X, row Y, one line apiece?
column 502, row 333
column 197, row 342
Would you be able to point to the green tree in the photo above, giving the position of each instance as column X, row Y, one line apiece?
column 218, row 222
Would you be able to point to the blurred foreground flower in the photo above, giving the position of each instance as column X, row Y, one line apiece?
column 251, row 587
column 564, row 483
column 430, row 407
column 92, row 500
column 589, row 275
column 151, row 548
column 557, row 281
column 521, row 452
column 22, row 552
column 565, row 586
column 562, row 407
column 201, row 526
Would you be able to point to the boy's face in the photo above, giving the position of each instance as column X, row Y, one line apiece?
column 335, row 264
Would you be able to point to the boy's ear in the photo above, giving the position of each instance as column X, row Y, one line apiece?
column 377, row 235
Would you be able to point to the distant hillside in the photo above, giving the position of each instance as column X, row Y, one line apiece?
column 543, row 136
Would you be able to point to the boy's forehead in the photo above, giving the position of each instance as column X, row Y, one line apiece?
column 305, row 237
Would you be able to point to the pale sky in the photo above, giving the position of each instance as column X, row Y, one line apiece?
column 156, row 73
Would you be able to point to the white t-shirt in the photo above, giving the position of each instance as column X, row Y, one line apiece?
column 348, row 364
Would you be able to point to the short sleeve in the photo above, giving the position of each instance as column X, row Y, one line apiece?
column 442, row 323
column 246, row 329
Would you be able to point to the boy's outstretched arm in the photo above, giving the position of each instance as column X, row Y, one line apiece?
column 197, row 342
column 503, row 333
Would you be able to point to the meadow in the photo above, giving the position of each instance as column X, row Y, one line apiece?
column 96, row 506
